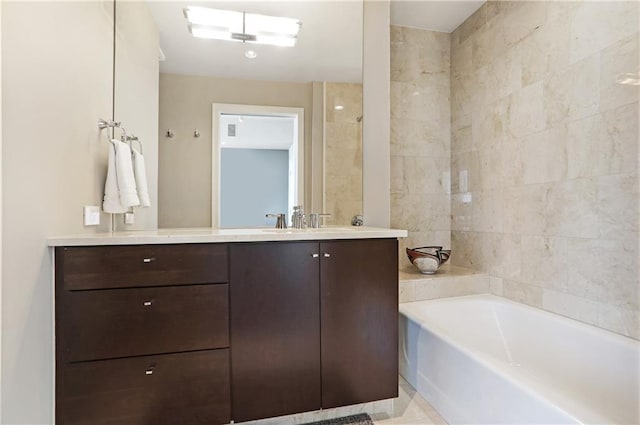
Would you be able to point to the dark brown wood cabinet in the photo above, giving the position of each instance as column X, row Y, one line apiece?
column 313, row 325
column 359, row 321
column 142, row 335
column 190, row 334
column 189, row 388
column 275, row 329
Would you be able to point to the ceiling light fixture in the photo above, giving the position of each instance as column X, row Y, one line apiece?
column 242, row 26
column 250, row 54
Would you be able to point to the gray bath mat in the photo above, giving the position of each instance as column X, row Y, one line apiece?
column 360, row 419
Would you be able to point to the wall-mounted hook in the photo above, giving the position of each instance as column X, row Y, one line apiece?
column 169, row 134
column 196, row 133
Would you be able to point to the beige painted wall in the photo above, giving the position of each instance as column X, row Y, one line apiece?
column 53, row 163
column 136, row 96
column 376, row 165
column 548, row 137
column 185, row 162
column 0, row 209
column 420, row 138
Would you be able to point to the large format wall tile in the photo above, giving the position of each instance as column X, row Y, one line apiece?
column 526, row 111
column 410, row 137
column 421, row 135
column 544, row 261
column 544, row 52
column 523, row 293
column 574, row 92
column 619, row 69
column 595, row 25
column 618, row 207
column 572, row 209
column 544, row 155
column 604, row 143
column 604, row 270
column 343, row 156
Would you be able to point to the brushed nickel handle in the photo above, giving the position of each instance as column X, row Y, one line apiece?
column 149, row 371
column 148, row 260
column 327, row 255
column 148, row 303
column 315, row 255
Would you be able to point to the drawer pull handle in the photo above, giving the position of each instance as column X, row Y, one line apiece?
column 327, row 255
column 148, row 303
column 149, row 260
column 315, row 255
column 148, row 371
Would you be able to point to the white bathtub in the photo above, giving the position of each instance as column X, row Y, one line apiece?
column 483, row 359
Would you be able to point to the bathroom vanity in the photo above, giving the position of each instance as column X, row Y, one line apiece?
column 209, row 326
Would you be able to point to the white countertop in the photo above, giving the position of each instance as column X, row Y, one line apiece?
column 209, row 235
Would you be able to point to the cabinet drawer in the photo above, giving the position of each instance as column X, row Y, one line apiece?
column 111, row 323
column 174, row 389
column 99, row 267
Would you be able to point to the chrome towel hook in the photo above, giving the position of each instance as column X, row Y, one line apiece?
column 102, row 124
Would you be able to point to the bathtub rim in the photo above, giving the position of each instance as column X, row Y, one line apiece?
column 619, row 338
column 559, row 401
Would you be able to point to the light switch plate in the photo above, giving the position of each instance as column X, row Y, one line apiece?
column 463, row 184
column 91, row 215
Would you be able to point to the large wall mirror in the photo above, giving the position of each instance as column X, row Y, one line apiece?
column 168, row 95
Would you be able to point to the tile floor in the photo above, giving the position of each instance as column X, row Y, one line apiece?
column 409, row 409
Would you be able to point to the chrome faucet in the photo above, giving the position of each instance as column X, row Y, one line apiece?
column 281, row 222
column 298, row 219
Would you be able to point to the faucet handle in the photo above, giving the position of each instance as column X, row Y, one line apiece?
column 281, row 222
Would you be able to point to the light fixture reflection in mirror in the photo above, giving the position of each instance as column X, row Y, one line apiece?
column 231, row 25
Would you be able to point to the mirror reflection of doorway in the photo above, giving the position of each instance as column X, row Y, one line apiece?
column 258, row 164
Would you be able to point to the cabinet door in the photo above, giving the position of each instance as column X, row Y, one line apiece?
column 359, row 315
column 275, row 329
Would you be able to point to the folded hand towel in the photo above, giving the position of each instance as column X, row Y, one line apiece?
column 141, row 178
column 111, row 203
column 124, row 173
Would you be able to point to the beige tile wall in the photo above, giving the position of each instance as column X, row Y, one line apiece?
column 420, row 137
column 545, row 155
column 343, row 152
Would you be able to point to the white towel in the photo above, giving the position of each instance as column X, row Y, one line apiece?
column 111, row 203
column 140, row 173
column 124, row 175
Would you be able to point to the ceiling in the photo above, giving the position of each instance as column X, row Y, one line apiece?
column 329, row 44
column 444, row 16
